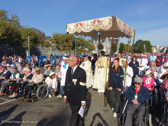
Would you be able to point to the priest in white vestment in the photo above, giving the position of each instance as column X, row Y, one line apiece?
column 101, row 73
column 87, row 66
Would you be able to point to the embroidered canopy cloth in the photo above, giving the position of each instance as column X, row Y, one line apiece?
column 108, row 26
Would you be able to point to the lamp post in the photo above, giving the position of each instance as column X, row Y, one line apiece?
column 28, row 44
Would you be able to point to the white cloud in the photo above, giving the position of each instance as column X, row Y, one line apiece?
column 156, row 37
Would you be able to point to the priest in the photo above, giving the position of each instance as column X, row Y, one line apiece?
column 101, row 73
column 87, row 66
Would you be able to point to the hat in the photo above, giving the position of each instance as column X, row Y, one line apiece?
column 138, row 80
column 26, row 70
column 14, row 67
column 94, row 52
column 123, row 59
column 37, row 69
column 65, row 58
column 52, row 73
column 166, row 64
column 147, row 72
column 160, row 75
column 103, row 50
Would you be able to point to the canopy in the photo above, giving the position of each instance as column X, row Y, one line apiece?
column 108, row 26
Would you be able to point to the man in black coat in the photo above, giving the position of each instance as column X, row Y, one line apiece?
column 75, row 90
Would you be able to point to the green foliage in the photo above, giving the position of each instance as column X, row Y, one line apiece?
column 90, row 46
column 3, row 15
column 78, row 44
column 34, row 37
column 15, row 36
column 139, row 46
column 121, row 49
column 114, row 47
column 47, row 43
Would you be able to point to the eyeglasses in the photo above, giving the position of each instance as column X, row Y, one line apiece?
column 138, row 83
column 71, row 60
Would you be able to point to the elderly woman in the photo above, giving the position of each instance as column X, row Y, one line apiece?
column 37, row 79
column 22, row 82
column 148, row 81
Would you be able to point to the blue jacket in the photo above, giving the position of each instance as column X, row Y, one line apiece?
column 116, row 79
column 6, row 75
column 143, row 94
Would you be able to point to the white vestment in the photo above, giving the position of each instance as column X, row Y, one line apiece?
column 101, row 74
column 63, row 71
column 87, row 66
column 128, row 79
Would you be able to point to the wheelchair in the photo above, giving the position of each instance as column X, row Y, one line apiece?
column 164, row 107
column 147, row 118
column 154, row 97
column 40, row 91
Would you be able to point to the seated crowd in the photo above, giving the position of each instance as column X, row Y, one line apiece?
column 20, row 81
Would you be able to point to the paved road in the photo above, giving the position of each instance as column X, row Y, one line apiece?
column 54, row 112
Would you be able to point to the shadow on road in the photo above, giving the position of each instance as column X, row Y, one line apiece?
column 99, row 124
column 42, row 122
column 5, row 114
column 61, row 118
column 17, row 121
column 88, row 102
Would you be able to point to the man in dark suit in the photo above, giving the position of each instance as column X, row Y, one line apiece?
column 75, row 90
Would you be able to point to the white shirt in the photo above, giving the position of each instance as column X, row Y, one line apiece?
column 143, row 62
column 54, row 83
column 63, row 73
column 48, row 81
column 128, row 78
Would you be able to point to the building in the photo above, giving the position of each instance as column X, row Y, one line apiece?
column 106, row 42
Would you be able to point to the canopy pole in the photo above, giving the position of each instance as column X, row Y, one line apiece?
column 111, row 52
column 129, row 40
column 133, row 43
column 68, row 44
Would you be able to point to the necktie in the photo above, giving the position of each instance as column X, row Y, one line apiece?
column 71, row 72
column 141, row 62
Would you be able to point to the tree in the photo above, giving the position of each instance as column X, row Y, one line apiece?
column 47, row 43
column 90, row 46
column 3, row 15
column 15, row 20
column 33, row 37
column 121, row 49
column 139, row 46
column 114, row 47
column 14, row 36
column 78, row 44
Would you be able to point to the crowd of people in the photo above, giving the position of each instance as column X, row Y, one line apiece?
column 134, row 76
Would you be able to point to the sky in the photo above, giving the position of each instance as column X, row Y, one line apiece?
column 148, row 17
